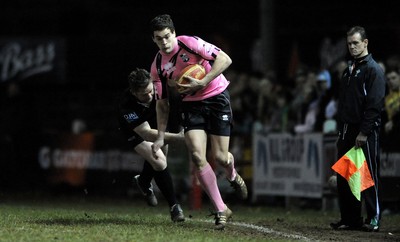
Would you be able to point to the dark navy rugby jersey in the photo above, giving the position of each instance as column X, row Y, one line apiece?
column 132, row 113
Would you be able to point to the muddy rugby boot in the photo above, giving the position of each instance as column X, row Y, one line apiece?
column 177, row 213
column 148, row 193
column 239, row 185
column 221, row 218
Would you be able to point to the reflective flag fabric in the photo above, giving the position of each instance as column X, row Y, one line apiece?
column 354, row 168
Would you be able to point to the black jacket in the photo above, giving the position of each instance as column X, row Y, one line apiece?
column 361, row 94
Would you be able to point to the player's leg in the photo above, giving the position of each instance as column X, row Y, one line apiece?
column 144, row 149
column 146, row 175
column 143, row 182
column 165, row 184
column 219, row 150
column 219, row 123
column 162, row 177
column 196, row 141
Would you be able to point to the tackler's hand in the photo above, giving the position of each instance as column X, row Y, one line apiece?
column 156, row 146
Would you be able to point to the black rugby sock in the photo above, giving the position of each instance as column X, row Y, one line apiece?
column 164, row 182
column 146, row 175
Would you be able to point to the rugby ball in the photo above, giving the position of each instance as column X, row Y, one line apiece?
column 195, row 70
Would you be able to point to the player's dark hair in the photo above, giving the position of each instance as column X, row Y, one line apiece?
column 138, row 79
column 162, row 22
column 357, row 29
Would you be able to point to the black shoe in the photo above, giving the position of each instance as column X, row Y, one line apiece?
column 177, row 213
column 344, row 226
column 147, row 193
column 372, row 226
column 339, row 225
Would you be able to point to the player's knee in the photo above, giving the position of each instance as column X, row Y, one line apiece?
column 222, row 158
column 198, row 160
column 160, row 166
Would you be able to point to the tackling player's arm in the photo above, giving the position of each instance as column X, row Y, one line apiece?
column 157, row 160
column 149, row 134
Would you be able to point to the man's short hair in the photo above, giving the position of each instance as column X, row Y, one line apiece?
column 162, row 22
column 139, row 78
column 357, row 29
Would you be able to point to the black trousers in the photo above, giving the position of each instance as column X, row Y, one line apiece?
column 350, row 207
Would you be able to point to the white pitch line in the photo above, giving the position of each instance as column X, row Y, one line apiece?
column 264, row 230
column 270, row 231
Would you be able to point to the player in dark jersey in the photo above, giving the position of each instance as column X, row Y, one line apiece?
column 137, row 118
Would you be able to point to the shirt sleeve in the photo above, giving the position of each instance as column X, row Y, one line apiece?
column 206, row 50
column 375, row 89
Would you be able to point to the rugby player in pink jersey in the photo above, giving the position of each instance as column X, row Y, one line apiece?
column 206, row 107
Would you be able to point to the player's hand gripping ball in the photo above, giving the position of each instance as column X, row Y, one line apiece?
column 195, row 70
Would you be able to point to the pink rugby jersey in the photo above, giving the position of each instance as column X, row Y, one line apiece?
column 189, row 50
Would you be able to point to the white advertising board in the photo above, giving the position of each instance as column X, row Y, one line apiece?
column 288, row 165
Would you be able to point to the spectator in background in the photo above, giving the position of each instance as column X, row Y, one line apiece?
column 361, row 100
column 279, row 113
column 330, row 124
column 265, row 101
column 299, row 93
column 392, row 109
column 393, row 62
column 309, row 104
column 326, row 103
column 243, row 91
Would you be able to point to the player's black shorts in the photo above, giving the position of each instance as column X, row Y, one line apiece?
column 214, row 114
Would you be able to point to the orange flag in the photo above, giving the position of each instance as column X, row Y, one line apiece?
column 354, row 168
